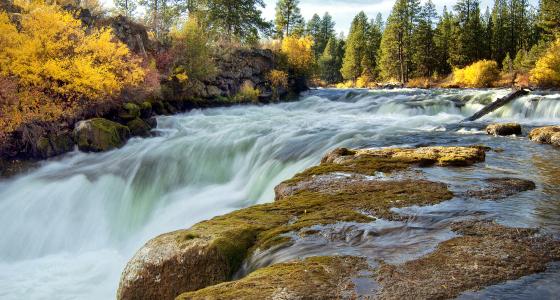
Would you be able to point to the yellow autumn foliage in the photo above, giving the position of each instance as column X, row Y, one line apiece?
column 547, row 69
column 479, row 74
column 53, row 52
column 299, row 53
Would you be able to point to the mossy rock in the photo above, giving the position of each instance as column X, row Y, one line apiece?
column 316, row 277
column 138, row 127
column 146, row 110
column 503, row 129
column 544, row 135
column 97, row 135
column 159, row 108
column 54, row 144
column 130, row 111
column 234, row 236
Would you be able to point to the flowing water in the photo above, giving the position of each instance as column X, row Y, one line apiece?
column 69, row 226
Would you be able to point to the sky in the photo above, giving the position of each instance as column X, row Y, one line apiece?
column 344, row 11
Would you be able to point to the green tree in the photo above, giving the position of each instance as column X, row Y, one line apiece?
column 395, row 59
column 425, row 63
column 443, row 39
column 288, row 18
column 126, row 7
column 313, row 29
column 373, row 41
column 355, row 47
column 467, row 34
column 237, row 19
column 549, row 18
column 330, row 62
column 326, row 31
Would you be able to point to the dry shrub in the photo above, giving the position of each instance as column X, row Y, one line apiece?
column 419, row 82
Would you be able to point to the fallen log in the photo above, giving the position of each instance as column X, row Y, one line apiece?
column 497, row 104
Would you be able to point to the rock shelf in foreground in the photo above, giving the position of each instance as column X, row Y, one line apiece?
column 346, row 187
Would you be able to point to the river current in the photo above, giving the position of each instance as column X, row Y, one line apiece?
column 70, row 225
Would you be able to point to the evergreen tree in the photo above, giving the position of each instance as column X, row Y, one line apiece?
column 330, row 62
column 326, row 32
column 442, row 40
column 425, row 63
column 126, row 7
column 487, row 34
column 288, row 18
column 549, row 18
column 467, row 34
column 240, row 19
column 355, row 48
column 373, row 42
column 395, row 59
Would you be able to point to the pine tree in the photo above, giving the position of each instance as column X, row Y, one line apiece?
column 240, row 19
column 288, row 18
column 326, row 32
column 373, row 41
column 425, row 62
column 549, row 18
column 395, row 59
column 355, row 47
column 330, row 62
column 126, row 7
column 487, row 34
column 467, row 34
column 442, row 40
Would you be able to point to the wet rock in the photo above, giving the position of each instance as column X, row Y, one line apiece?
column 54, row 144
column 145, row 110
column 129, row 111
column 544, row 135
column 442, row 156
column 504, row 129
column 96, row 135
column 337, row 153
column 169, row 265
column 485, row 254
column 499, row 188
column 316, row 278
column 138, row 127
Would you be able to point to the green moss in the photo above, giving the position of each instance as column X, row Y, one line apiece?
column 138, row 127
column 100, row 135
column 129, row 111
column 366, row 165
column 322, row 277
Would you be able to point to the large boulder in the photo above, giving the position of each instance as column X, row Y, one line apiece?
column 96, row 135
column 544, row 135
column 54, row 144
column 503, row 129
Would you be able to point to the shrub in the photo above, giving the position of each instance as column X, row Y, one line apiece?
column 480, row 74
column 299, row 53
column 364, row 81
column 278, row 79
column 52, row 52
column 419, row 82
column 248, row 93
column 547, row 69
column 191, row 52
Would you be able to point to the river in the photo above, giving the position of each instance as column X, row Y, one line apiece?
column 69, row 226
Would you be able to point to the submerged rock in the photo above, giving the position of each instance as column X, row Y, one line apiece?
column 546, row 135
column 504, row 129
column 485, row 254
column 97, row 135
column 499, row 188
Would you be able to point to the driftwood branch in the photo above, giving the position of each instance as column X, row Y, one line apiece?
column 497, row 104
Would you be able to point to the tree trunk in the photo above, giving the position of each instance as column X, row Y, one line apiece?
column 497, row 104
